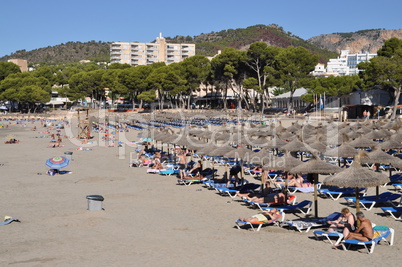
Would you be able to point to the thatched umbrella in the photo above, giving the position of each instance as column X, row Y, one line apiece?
column 356, row 176
column 344, row 151
column 295, row 146
column 390, row 144
column 316, row 166
column 362, row 142
column 377, row 157
column 276, row 143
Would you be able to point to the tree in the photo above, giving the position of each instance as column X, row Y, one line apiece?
column 7, row 68
column 331, row 86
column 260, row 60
column 385, row 70
column 135, row 80
column 26, row 89
column 195, row 71
column 293, row 65
column 229, row 69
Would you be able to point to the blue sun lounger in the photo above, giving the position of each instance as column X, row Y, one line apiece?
column 381, row 233
column 393, row 211
column 328, row 235
column 8, row 221
column 305, row 204
column 256, row 226
column 368, row 202
column 307, row 224
column 336, row 193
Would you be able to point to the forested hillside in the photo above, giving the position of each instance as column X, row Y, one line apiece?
column 65, row 53
column 326, row 46
column 209, row 43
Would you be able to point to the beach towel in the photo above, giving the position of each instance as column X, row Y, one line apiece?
column 305, row 189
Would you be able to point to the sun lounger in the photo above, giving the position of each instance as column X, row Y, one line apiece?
column 232, row 191
column 368, row 202
column 307, row 224
column 168, row 172
column 291, row 201
column 393, row 211
column 336, row 193
column 398, row 187
column 9, row 220
column 304, row 205
column 328, row 235
column 381, row 233
column 256, row 226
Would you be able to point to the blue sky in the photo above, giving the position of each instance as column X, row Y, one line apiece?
column 28, row 24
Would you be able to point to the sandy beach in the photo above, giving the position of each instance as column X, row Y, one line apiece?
column 148, row 220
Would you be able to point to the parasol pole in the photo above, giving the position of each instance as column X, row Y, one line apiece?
column 357, row 200
column 286, row 188
column 315, row 195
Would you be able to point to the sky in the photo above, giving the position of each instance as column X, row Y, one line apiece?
column 29, row 25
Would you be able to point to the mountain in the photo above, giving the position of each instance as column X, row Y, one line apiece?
column 326, row 45
column 209, row 43
column 361, row 41
column 65, row 53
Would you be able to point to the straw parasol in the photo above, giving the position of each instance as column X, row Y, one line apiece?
column 390, row 144
column 343, row 151
column 357, row 176
column 316, row 166
column 362, row 142
column 295, row 146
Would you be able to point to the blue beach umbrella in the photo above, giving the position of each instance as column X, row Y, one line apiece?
column 57, row 162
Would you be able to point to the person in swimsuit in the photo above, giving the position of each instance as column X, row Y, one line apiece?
column 265, row 216
column 344, row 224
column 365, row 230
column 182, row 164
column 277, row 197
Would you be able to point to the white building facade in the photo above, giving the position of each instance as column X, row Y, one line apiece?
column 345, row 64
column 136, row 54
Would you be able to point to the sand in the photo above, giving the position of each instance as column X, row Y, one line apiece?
column 148, row 220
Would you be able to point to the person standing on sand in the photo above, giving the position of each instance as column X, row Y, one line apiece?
column 182, row 163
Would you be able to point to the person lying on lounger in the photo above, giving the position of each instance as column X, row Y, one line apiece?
column 265, row 216
column 295, row 180
column 277, row 197
column 267, row 190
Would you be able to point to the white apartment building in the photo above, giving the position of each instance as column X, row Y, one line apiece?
column 345, row 64
column 136, row 54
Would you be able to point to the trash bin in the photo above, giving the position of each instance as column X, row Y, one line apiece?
column 68, row 155
column 95, row 202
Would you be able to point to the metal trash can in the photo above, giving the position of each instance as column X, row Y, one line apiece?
column 95, row 202
column 68, row 155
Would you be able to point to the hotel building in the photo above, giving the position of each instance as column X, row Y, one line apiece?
column 136, row 54
column 345, row 64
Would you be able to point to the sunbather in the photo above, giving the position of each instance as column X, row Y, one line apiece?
column 344, row 224
column 267, row 190
column 265, row 216
column 295, row 180
column 277, row 197
column 364, row 232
